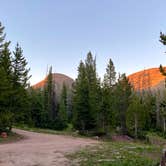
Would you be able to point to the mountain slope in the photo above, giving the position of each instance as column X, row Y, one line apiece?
column 149, row 78
column 58, row 79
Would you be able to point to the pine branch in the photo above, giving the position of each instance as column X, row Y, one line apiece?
column 162, row 70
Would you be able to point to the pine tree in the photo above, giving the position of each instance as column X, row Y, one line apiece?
column 62, row 113
column 122, row 95
column 105, row 112
column 50, row 101
column 163, row 112
column 107, row 104
column 163, row 38
column 38, row 114
column 5, row 83
column 21, row 72
column 81, row 117
column 70, row 105
column 135, row 117
column 6, row 117
column 163, row 41
column 87, row 96
column 149, row 102
column 46, row 101
column 20, row 83
column 93, row 89
column 50, row 93
column 6, row 68
column 5, row 60
column 110, row 76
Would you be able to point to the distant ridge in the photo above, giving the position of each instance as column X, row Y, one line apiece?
column 58, row 79
column 147, row 79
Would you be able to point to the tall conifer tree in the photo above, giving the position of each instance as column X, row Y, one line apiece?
column 5, row 83
column 135, row 116
column 21, row 72
column 93, row 89
column 20, row 85
column 110, row 76
column 62, row 113
column 87, row 96
column 122, row 93
column 81, row 117
column 107, row 104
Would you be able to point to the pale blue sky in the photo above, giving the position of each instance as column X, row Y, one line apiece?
column 61, row 32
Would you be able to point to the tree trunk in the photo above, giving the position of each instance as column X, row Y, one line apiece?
column 157, row 115
column 136, row 126
column 164, row 124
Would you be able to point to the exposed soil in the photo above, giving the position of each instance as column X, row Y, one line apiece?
column 121, row 138
column 38, row 149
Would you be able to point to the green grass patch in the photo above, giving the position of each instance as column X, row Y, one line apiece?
column 12, row 137
column 118, row 154
column 154, row 138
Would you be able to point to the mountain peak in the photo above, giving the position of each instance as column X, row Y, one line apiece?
column 148, row 78
column 59, row 79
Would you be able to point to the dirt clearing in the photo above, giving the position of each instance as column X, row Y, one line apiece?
column 38, row 149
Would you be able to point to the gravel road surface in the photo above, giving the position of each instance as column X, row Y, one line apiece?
column 38, row 149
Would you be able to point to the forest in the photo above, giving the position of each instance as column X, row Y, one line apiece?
column 93, row 107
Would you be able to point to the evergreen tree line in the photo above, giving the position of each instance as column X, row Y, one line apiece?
column 47, row 109
column 20, row 104
column 111, row 105
column 93, row 106
column 114, row 105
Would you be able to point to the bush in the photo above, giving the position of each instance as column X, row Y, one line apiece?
column 6, row 119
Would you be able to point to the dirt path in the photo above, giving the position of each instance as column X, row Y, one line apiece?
column 40, row 149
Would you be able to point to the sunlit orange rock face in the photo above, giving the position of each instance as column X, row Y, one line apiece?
column 40, row 84
column 58, row 80
column 145, row 79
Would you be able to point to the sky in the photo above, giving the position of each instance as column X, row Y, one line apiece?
column 61, row 33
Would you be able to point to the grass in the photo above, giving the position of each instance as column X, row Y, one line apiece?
column 68, row 131
column 12, row 137
column 154, row 138
column 118, row 154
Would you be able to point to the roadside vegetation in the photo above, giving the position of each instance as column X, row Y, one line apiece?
column 68, row 131
column 146, row 152
column 118, row 154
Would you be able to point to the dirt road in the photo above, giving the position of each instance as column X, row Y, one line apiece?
column 40, row 149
